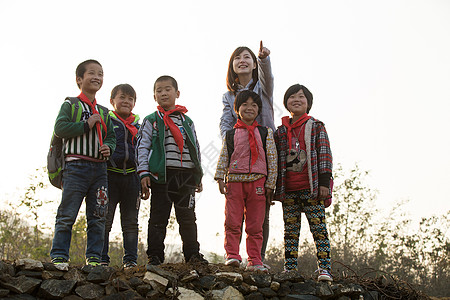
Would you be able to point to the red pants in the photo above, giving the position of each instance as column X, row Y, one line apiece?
column 245, row 199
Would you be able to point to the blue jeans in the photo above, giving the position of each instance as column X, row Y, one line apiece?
column 82, row 179
column 123, row 189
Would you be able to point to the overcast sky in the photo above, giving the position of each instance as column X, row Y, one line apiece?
column 379, row 72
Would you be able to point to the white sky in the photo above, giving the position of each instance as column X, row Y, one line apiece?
column 379, row 72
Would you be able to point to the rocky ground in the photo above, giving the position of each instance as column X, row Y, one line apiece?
column 30, row 279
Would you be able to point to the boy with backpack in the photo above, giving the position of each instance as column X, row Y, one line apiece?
column 88, row 142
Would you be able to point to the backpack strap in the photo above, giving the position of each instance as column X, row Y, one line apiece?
column 74, row 101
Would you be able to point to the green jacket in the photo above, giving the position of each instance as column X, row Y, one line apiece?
column 79, row 139
column 151, row 154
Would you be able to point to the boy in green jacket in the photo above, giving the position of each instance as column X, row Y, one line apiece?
column 168, row 158
column 89, row 141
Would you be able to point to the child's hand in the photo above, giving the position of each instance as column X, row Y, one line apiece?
column 199, row 188
column 94, row 119
column 222, row 187
column 263, row 51
column 324, row 192
column 145, row 185
column 104, row 150
column 269, row 196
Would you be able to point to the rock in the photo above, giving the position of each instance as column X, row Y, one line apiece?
column 260, row 280
column 90, row 291
column 29, row 264
column 75, row 274
column 293, row 276
column 157, row 282
column 207, row 282
column 230, row 277
column 100, row 274
column 110, row 290
column 371, row 295
column 135, row 281
column 189, row 277
column 323, row 289
column 120, row 285
column 72, row 297
column 4, row 292
column 56, row 289
column 255, row 296
column 143, row 289
column 46, row 275
column 62, row 267
column 127, row 295
column 304, row 288
column 7, row 269
column 275, row 286
column 172, row 277
column 285, row 289
column 34, row 274
column 350, row 289
column 267, row 292
column 185, row 294
column 228, row 293
column 21, row 284
column 154, row 295
column 301, row 297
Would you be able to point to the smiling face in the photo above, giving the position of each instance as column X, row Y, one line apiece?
column 297, row 104
column 165, row 94
column 243, row 63
column 123, row 104
column 248, row 111
column 92, row 79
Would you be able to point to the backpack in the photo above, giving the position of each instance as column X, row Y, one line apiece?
column 55, row 156
column 229, row 138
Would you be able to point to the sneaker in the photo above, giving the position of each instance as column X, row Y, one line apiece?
column 233, row 262
column 256, row 268
column 93, row 261
column 154, row 260
column 324, row 275
column 104, row 263
column 129, row 265
column 198, row 258
column 60, row 263
column 266, row 266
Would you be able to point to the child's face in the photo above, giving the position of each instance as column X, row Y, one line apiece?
column 297, row 103
column 92, row 79
column 243, row 63
column 165, row 94
column 123, row 104
column 248, row 111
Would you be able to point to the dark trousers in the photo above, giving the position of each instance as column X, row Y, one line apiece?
column 178, row 190
column 123, row 190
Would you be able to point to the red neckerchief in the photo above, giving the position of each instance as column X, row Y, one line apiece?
column 251, row 137
column 92, row 105
column 178, row 137
column 286, row 121
column 128, row 124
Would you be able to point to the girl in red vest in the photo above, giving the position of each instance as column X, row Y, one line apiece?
column 246, row 174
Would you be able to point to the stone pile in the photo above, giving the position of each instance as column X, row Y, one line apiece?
column 30, row 279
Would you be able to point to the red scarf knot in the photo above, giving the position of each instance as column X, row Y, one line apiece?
column 168, row 122
column 128, row 122
column 286, row 121
column 92, row 105
column 251, row 138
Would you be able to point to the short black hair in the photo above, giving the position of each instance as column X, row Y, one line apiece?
column 164, row 78
column 124, row 88
column 295, row 89
column 243, row 96
column 81, row 69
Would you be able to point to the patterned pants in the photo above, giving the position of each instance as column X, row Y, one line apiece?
column 297, row 202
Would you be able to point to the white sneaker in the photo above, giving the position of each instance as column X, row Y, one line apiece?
column 233, row 262
column 324, row 275
column 255, row 268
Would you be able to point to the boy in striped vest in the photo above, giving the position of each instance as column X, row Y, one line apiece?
column 89, row 141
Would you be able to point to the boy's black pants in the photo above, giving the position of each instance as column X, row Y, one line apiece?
column 178, row 190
